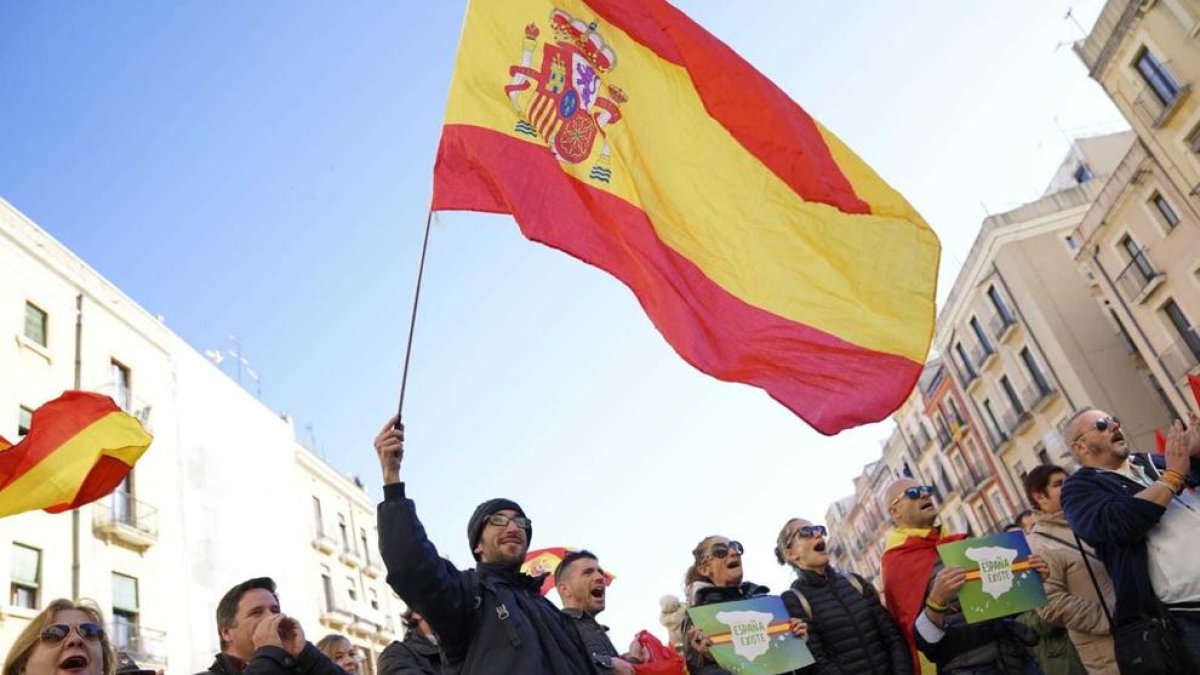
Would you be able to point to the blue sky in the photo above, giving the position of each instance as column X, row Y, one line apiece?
column 263, row 169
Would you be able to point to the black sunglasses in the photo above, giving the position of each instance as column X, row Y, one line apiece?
column 722, row 550
column 808, row 532
column 914, row 493
column 1101, row 425
column 59, row 632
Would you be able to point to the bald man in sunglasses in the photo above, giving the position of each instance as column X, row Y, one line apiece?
column 1141, row 515
column 922, row 596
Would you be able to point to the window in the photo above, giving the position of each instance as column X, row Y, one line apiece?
column 1019, row 467
column 956, row 415
column 374, row 599
column 998, row 303
column 1161, row 82
column 1183, row 327
column 1193, row 139
column 125, row 612
column 351, row 589
column 35, row 324
column 122, row 501
column 327, row 586
column 24, row 421
column 121, row 392
column 345, row 534
column 1137, row 257
column 1165, row 210
column 366, row 550
column 1011, row 393
column 1035, row 371
column 964, row 362
column 991, row 413
column 1083, row 174
column 1072, row 243
column 318, row 522
column 1042, row 455
column 983, row 341
column 26, row 576
column 998, row 504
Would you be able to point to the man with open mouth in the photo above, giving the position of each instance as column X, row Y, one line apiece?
column 488, row 620
column 582, row 585
column 922, row 595
column 1141, row 515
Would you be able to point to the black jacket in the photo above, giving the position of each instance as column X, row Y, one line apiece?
column 276, row 661
column 416, row 655
column 995, row 647
column 1101, row 509
column 595, row 638
column 488, row 620
column 849, row 631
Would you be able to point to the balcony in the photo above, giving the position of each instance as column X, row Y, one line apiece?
column 1001, row 326
column 122, row 519
column 997, row 438
column 350, row 557
column 373, row 569
column 334, row 616
column 1033, row 395
column 145, row 645
column 323, row 542
column 1015, row 421
column 1183, row 356
column 981, row 354
column 1139, row 278
column 967, row 375
column 1152, row 111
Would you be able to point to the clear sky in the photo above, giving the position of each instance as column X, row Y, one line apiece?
column 263, row 169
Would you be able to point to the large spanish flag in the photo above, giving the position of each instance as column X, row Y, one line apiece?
column 79, row 448
column 763, row 249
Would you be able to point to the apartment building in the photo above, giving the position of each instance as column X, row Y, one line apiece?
column 224, row 493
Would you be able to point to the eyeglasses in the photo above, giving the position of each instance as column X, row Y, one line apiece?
column 914, row 493
column 59, row 632
column 501, row 520
column 807, row 532
column 1101, row 425
column 721, row 550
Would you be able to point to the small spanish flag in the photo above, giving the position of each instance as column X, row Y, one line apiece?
column 79, row 448
column 762, row 248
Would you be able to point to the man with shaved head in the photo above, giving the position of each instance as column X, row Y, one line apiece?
column 1142, row 517
column 922, row 595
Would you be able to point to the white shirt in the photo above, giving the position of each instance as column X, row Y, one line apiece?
column 1173, row 545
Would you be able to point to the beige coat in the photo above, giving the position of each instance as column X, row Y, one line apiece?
column 1072, row 597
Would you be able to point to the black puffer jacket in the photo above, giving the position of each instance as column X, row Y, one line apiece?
column 849, row 631
column 416, row 655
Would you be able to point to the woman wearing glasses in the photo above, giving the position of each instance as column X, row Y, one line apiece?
column 849, row 630
column 66, row 638
column 716, row 576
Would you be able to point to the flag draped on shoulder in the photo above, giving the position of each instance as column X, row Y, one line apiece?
column 79, row 448
column 908, row 560
column 761, row 247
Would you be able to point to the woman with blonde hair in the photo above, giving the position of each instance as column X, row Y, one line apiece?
column 66, row 638
column 341, row 651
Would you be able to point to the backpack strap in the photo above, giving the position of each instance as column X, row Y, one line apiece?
column 804, row 603
column 858, row 584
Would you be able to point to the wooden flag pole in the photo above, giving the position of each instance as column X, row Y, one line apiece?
column 412, row 324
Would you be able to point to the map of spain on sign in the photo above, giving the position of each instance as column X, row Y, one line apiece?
column 1000, row 581
column 752, row 637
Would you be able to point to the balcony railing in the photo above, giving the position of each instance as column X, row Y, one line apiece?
column 122, row 518
column 999, row 325
column 144, row 645
column 967, row 375
column 1033, row 394
column 1183, row 356
column 1138, row 278
column 322, row 541
column 1014, row 420
column 349, row 556
column 997, row 437
column 923, row 438
column 1152, row 111
column 980, row 354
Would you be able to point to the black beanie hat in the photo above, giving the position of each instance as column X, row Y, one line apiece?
column 479, row 519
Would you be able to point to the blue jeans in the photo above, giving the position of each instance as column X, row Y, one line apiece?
column 1188, row 624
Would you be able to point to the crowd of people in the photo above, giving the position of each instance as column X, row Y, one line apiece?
column 1116, row 544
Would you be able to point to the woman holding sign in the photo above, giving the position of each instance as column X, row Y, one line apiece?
column 716, row 577
column 849, row 630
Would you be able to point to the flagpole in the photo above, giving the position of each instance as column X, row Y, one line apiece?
column 412, row 324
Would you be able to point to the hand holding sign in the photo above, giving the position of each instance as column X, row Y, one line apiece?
column 999, row 577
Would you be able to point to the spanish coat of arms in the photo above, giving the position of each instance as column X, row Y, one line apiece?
column 561, row 101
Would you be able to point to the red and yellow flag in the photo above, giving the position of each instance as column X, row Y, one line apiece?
column 79, row 448
column 544, row 561
column 762, row 248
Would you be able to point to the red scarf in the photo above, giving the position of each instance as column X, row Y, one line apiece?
column 908, row 560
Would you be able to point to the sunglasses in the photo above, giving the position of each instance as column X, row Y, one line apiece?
column 59, row 632
column 1101, row 425
column 501, row 520
column 807, row 532
column 721, row 551
column 914, row 493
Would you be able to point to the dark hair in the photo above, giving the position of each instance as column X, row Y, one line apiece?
column 227, row 608
column 571, row 558
column 781, row 541
column 1037, row 481
column 692, row 575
